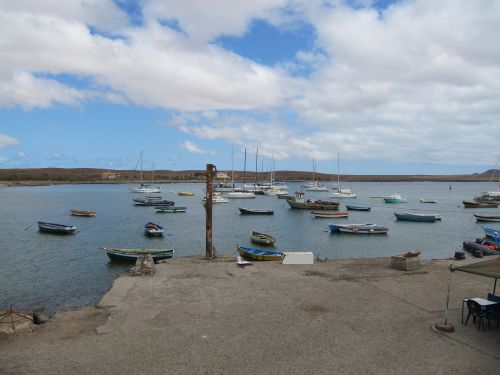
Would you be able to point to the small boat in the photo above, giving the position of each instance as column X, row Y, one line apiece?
column 217, row 198
column 131, row 255
column 480, row 249
column 185, row 193
column 491, row 232
column 395, row 198
column 336, row 227
column 339, row 191
column 352, row 207
column 285, row 196
column 170, row 209
column 255, row 211
column 240, row 194
column 316, row 187
column 410, row 216
column 152, row 202
column 258, row 254
column 153, row 230
column 262, row 238
column 56, row 228
column 487, row 217
column 364, row 230
column 476, row 204
column 82, row 213
column 425, row 200
column 329, row 214
column 301, row 203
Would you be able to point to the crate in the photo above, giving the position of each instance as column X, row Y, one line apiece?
column 405, row 262
column 297, row 257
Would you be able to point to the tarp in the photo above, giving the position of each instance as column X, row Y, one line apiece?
column 488, row 268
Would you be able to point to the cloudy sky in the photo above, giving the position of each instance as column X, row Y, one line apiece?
column 399, row 87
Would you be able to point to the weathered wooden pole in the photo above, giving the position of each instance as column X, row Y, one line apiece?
column 208, row 210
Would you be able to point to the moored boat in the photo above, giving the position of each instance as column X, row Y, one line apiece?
column 185, row 193
column 410, row 216
column 82, row 213
column 153, row 230
column 476, row 204
column 395, row 198
column 170, row 209
column 491, row 232
column 353, row 207
column 240, row 194
column 329, row 214
column 427, row 200
column 301, row 203
column 255, row 211
column 364, row 230
column 336, row 227
column 152, row 202
column 487, row 217
column 259, row 254
column 56, row 228
column 262, row 238
column 131, row 255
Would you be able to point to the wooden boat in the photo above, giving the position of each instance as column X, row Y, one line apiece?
column 487, row 217
column 55, row 228
column 258, row 254
column 82, row 213
column 476, row 204
column 410, row 216
column 491, row 232
column 353, row 207
column 185, row 193
column 131, row 255
column 425, row 200
column 329, row 214
column 170, row 209
column 153, row 230
column 364, row 230
column 336, row 227
column 395, row 198
column 262, row 238
column 152, row 202
column 255, row 211
column 285, row 196
column 301, row 203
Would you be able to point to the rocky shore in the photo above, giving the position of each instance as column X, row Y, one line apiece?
column 356, row 316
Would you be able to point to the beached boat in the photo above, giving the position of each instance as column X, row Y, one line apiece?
column 131, row 255
column 476, row 204
column 82, row 213
column 353, row 207
column 329, row 214
column 395, row 198
column 410, row 216
column 170, row 209
column 185, row 193
column 262, row 238
column 487, row 217
column 336, row 227
column 481, row 248
column 56, row 228
column 490, row 232
column 255, row 211
column 153, row 230
column 259, row 254
column 427, row 200
column 364, row 230
column 300, row 203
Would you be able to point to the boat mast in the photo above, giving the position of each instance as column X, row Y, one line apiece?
column 232, row 166
column 141, row 167
column 256, row 157
column 338, row 171
column 245, row 168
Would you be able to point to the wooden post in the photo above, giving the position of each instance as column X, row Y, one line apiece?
column 208, row 210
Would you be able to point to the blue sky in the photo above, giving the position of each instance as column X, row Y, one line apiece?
column 395, row 87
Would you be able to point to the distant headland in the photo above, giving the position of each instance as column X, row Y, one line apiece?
column 49, row 176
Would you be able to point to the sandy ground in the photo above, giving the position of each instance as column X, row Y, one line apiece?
column 212, row 317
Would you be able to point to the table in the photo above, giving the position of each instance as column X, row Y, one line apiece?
column 482, row 302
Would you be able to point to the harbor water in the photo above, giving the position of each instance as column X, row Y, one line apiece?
column 40, row 270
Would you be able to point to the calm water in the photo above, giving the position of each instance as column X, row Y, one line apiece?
column 59, row 272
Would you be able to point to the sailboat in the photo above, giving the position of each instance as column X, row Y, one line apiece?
column 315, row 185
column 145, row 188
column 273, row 188
column 341, row 192
column 239, row 194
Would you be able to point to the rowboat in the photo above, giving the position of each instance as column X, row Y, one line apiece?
column 56, row 228
column 185, row 193
column 258, row 254
column 425, row 200
column 131, row 255
column 475, row 204
column 255, row 211
column 329, row 214
column 490, row 232
column 364, row 230
column 82, row 213
column 152, row 202
column 353, row 207
column 262, row 238
column 170, row 209
column 336, row 227
column 487, row 217
column 410, row 216
column 153, row 230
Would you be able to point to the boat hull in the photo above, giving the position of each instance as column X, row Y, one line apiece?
column 417, row 217
column 83, row 213
column 170, row 209
column 364, row 230
column 249, row 211
column 330, row 215
column 473, row 204
column 131, row 256
column 314, row 205
column 262, row 238
column 56, row 228
column 485, row 218
column 258, row 254
column 357, row 208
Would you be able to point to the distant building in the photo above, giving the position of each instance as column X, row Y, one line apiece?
column 110, row 175
column 221, row 176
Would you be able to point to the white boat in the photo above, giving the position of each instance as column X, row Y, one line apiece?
column 275, row 190
column 427, row 200
column 395, row 198
column 339, row 191
column 145, row 188
column 217, row 198
column 316, row 186
column 240, row 194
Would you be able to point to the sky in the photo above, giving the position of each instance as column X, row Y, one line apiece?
column 386, row 87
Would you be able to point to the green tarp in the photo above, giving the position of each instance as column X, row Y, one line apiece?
column 488, row 268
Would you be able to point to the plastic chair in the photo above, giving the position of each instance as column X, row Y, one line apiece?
column 475, row 311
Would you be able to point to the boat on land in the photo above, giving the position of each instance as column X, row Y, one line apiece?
column 476, row 204
column 185, row 193
column 480, row 248
column 131, row 255
column 259, row 254
column 262, row 238
column 491, row 232
column 300, row 203
column 395, row 198
column 364, row 230
column 428, row 200
column 487, row 217
column 82, row 213
column 336, row 227
column 152, row 202
column 411, row 216
column 330, row 214
column 153, row 230
column 56, row 228
column 255, row 211
column 170, row 209
column 143, row 187
column 353, row 207
column 339, row 191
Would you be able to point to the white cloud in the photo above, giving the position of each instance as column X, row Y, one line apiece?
column 7, row 141
column 194, row 148
column 3, row 160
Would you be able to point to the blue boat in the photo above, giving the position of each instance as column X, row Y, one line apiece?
column 353, row 207
column 131, row 255
column 258, row 254
column 336, row 227
column 491, row 232
column 56, row 228
column 410, row 216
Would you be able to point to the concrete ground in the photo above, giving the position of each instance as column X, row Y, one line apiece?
column 212, row 317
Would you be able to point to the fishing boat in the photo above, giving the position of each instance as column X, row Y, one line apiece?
column 395, row 198
column 300, row 203
column 131, row 255
column 410, row 216
column 255, row 211
column 336, row 227
column 170, row 209
column 258, row 254
column 487, row 217
column 82, row 213
column 476, row 204
column 329, row 214
column 262, row 238
column 353, row 207
column 364, row 230
column 428, row 200
column 339, row 191
column 185, row 193
column 152, row 202
column 153, row 230
column 143, row 187
column 56, row 228
column 491, row 232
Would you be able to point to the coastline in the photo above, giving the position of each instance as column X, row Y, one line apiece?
column 198, row 316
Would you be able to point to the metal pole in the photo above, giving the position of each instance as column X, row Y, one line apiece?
column 208, row 210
